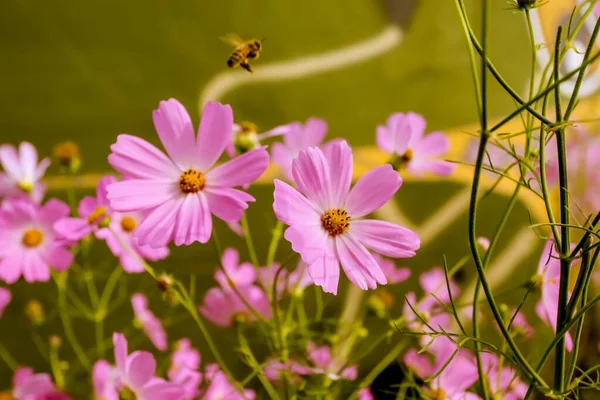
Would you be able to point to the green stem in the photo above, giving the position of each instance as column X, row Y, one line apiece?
column 8, row 358
column 249, row 242
column 59, row 377
column 100, row 336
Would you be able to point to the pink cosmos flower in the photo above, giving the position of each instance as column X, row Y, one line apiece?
column 185, row 362
column 116, row 229
column 5, row 297
column 181, row 192
column 299, row 137
column 136, row 374
column 504, row 383
column 241, row 275
column 433, row 283
column 220, row 387
column 392, row 273
column 22, row 173
column 28, row 243
column 403, row 136
column 223, row 306
column 549, row 273
column 291, row 282
column 325, row 217
column 323, row 363
column 151, row 325
column 30, row 386
column 103, row 379
column 365, row 394
column 274, row 370
column 520, row 325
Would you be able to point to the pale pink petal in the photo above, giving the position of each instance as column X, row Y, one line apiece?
column 120, row 347
column 141, row 367
column 385, row 139
column 102, row 189
column 358, row 264
column 339, row 157
column 157, row 228
column 372, row 191
column 174, row 127
column 217, row 307
column 28, row 160
column 438, row 167
column 292, row 208
column 308, row 241
column 239, row 171
column 131, row 264
column 386, row 238
column 41, row 168
column 392, row 274
column 399, row 127
column 5, row 297
column 283, row 157
column 350, row 373
column 102, row 381
column 189, row 218
column 150, row 253
column 141, row 194
column 415, row 123
column 87, row 205
column 319, row 356
column 160, row 390
column 73, row 228
column 215, row 131
column 136, row 158
column 226, row 203
column 325, row 272
column 59, row 257
column 34, row 268
column 10, row 268
column 10, row 162
column 53, row 210
column 433, row 145
column 311, row 176
column 419, row 363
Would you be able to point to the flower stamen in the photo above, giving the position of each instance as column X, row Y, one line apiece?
column 98, row 213
column 406, row 157
column 191, row 181
column 32, row 238
column 128, row 224
column 335, row 221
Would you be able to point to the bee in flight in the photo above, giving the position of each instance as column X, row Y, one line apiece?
column 245, row 50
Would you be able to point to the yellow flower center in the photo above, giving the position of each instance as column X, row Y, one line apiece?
column 335, row 221
column 438, row 394
column 32, row 238
column 406, row 157
column 66, row 152
column 191, row 181
column 98, row 213
column 127, row 394
column 128, row 224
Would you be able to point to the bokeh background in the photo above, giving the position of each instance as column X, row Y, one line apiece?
column 89, row 70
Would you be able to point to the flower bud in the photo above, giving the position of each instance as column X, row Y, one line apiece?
column 67, row 155
column 34, row 312
column 380, row 302
column 483, row 242
column 164, row 282
column 246, row 138
column 55, row 341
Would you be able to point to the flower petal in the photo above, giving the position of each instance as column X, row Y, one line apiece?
column 386, row 238
column 10, row 162
column 28, row 158
column 53, row 210
column 433, row 145
column 87, row 205
column 309, row 242
column 215, row 131
column 325, row 272
column 239, row 171
column 194, row 221
column 59, row 258
column 102, row 189
column 227, row 204
column 372, row 191
column 120, row 347
column 136, row 158
column 311, row 176
column 34, row 268
column 358, row 264
column 10, row 268
column 174, row 127
column 141, row 194
column 292, row 208
column 141, row 367
column 157, row 228
column 385, row 139
column 339, row 157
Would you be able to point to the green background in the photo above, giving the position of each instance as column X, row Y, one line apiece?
column 89, row 70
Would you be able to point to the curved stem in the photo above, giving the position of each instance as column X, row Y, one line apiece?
column 249, row 241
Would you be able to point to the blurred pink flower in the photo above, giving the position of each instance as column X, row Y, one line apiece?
column 324, row 217
column 323, row 363
column 30, row 386
column 549, row 274
column 503, row 384
column 520, row 325
column 299, row 137
column 291, row 282
column 223, row 306
column 274, row 368
column 220, row 387
column 182, row 191
column 241, row 275
column 185, row 362
column 433, row 283
column 392, row 273
column 151, row 325
column 403, row 136
column 103, row 379
column 430, row 312
column 28, row 244
column 22, row 173
column 116, row 229
column 365, row 394
column 136, row 374
column 5, row 297
column 597, row 9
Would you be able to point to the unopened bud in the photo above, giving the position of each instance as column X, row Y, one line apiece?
column 505, row 311
column 67, row 155
column 246, row 138
column 55, row 341
column 34, row 312
column 483, row 242
column 528, row 4
column 164, row 282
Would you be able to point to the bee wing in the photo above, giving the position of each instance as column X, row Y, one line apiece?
column 232, row 39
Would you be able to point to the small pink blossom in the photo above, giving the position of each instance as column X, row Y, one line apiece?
column 29, row 247
column 403, row 136
column 223, row 306
column 116, row 229
column 325, row 218
column 185, row 362
column 22, row 173
column 504, row 383
column 220, row 387
column 392, row 273
column 103, row 379
column 323, row 363
column 293, row 282
column 434, row 285
column 365, row 394
column 597, row 9
column 136, row 374
column 243, row 274
column 5, row 297
column 151, row 325
column 31, row 386
column 549, row 273
column 299, row 137
column 521, row 325
column 274, row 369
column 182, row 191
